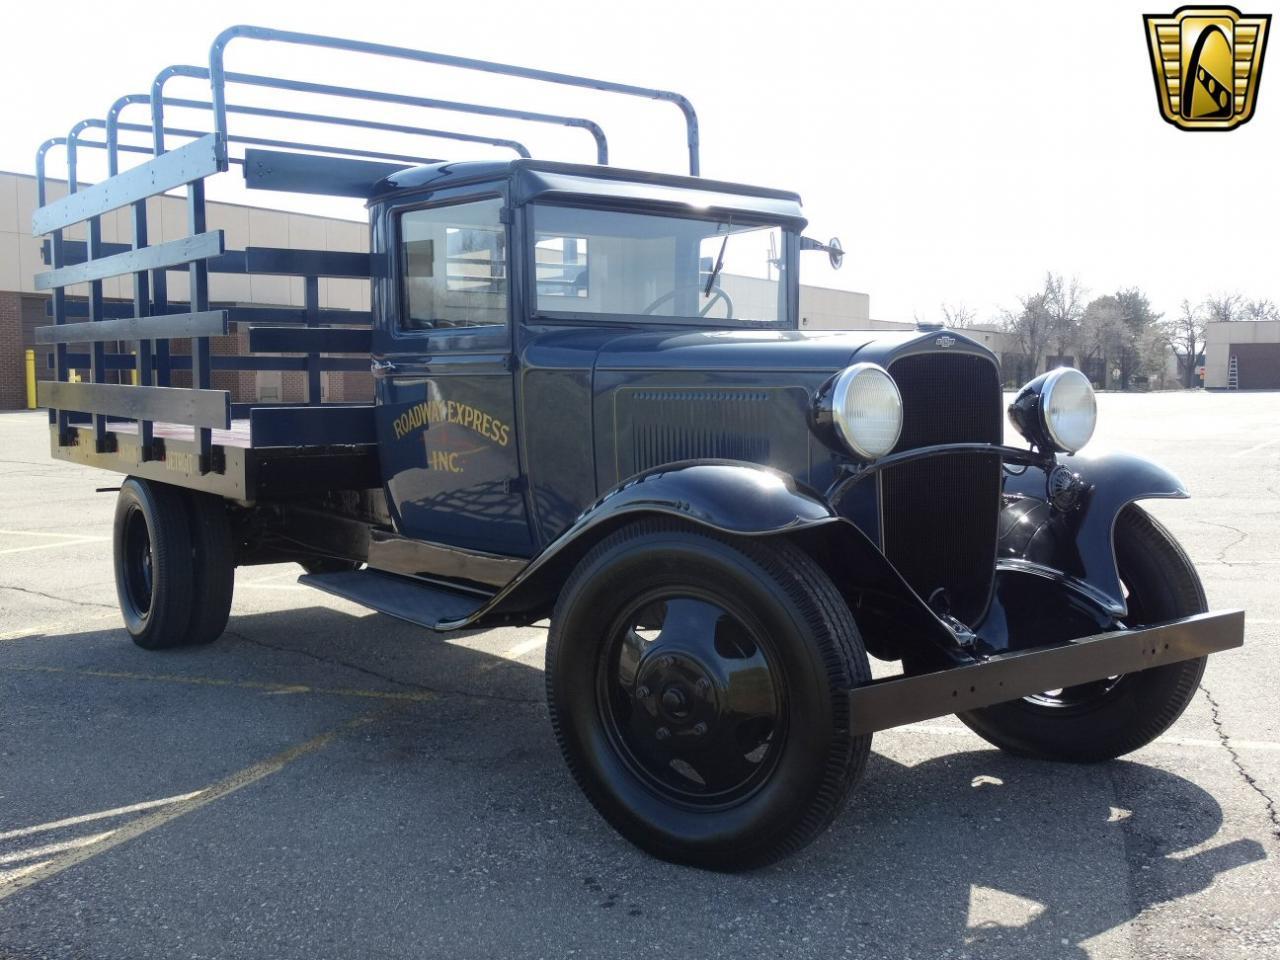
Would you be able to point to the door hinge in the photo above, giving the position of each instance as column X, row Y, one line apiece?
column 504, row 215
column 515, row 485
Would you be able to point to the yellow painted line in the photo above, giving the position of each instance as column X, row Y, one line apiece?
column 8, row 875
column 411, row 696
column 50, row 546
column 520, row 649
column 90, row 817
column 58, row 629
column 145, row 824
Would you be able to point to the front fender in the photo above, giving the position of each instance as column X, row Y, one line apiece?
column 1078, row 542
column 740, row 499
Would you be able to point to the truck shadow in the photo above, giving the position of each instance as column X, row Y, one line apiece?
column 940, row 851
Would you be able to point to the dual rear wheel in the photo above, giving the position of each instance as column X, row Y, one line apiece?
column 174, row 564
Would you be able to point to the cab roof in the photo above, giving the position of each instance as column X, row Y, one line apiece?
column 544, row 179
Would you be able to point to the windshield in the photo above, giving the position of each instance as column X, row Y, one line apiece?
column 614, row 263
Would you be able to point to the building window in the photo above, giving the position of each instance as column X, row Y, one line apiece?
column 562, row 265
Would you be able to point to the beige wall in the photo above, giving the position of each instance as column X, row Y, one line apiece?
column 1218, row 338
column 167, row 220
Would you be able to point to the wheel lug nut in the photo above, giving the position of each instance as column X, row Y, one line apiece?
column 662, row 733
column 699, row 729
column 642, row 691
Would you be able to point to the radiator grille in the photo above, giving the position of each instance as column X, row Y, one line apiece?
column 939, row 514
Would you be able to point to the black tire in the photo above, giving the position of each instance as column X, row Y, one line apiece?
column 779, row 622
column 329, row 565
column 1096, row 722
column 152, row 549
column 213, row 564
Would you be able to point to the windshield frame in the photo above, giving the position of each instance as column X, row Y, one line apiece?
column 788, row 284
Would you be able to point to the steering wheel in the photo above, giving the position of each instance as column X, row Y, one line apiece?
column 716, row 294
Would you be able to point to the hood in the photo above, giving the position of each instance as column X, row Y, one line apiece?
column 816, row 350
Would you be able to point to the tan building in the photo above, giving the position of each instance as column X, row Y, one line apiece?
column 23, row 308
column 1251, row 346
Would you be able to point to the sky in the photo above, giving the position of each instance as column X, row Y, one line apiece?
column 958, row 150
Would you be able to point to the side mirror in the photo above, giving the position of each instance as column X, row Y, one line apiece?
column 835, row 252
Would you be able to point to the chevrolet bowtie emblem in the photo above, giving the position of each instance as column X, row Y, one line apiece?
column 1207, row 63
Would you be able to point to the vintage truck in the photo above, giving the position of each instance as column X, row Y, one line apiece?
column 593, row 404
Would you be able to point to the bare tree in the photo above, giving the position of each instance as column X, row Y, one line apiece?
column 1185, row 333
column 1029, row 328
column 1260, row 310
column 957, row 316
column 1224, row 307
column 1064, row 305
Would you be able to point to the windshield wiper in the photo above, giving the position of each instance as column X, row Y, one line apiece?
column 715, row 271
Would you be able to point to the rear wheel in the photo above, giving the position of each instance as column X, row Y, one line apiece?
column 1107, row 718
column 213, row 567
column 152, row 547
column 698, row 690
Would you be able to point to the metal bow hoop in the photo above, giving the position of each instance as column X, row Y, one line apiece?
column 218, row 77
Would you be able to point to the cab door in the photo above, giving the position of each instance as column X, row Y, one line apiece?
column 442, row 364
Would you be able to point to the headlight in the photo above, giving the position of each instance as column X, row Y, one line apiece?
column 1057, row 410
column 865, row 410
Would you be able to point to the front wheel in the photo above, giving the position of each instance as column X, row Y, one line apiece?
column 1107, row 718
column 698, row 688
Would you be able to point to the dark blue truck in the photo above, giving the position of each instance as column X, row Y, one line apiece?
column 579, row 417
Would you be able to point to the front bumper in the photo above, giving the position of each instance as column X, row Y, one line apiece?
column 893, row 701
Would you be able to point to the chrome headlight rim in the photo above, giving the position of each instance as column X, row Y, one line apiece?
column 1052, row 380
column 844, row 428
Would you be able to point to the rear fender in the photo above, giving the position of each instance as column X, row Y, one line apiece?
column 738, row 499
column 1077, row 543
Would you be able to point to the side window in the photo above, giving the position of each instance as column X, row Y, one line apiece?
column 453, row 263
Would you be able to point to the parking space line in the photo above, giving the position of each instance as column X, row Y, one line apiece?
column 35, row 853
column 410, row 696
column 1255, row 448
column 90, row 817
column 135, row 828
column 41, row 533
column 50, row 546
column 1198, row 743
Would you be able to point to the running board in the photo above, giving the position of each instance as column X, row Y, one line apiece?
column 894, row 701
column 425, row 604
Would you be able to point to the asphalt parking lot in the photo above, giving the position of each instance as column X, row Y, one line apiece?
column 326, row 782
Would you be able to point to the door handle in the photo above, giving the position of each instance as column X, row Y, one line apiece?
column 381, row 366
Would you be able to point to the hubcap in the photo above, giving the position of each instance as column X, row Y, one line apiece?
column 691, row 698
column 138, row 572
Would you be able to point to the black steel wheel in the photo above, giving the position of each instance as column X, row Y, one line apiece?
column 213, row 565
column 1111, row 717
column 698, row 689
column 152, row 547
